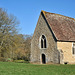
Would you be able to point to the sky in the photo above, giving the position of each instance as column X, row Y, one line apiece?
column 28, row 11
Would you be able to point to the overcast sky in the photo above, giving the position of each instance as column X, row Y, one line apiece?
column 28, row 11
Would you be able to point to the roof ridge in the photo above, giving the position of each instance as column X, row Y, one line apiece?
column 44, row 12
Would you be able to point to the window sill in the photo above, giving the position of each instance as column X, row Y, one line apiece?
column 73, row 54
column 43, row 48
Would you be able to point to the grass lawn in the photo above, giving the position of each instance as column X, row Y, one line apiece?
column 11, row 68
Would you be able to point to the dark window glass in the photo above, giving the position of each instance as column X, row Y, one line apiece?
column 41, row 43
column 73, row 49
column 44, row 43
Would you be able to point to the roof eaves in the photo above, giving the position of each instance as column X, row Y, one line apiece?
column 64, row 41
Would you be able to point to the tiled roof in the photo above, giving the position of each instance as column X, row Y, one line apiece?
column 63, row 27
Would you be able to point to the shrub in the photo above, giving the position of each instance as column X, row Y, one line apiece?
column 21, row 61
column 9, row 60
column 2, row 59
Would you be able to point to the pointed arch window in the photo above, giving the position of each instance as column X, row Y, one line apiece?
column 73, row 49
column 43, row 42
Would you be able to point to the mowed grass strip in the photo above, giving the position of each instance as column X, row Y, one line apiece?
column 11, row 68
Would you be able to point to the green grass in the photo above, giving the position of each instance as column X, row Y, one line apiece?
column 11, row 68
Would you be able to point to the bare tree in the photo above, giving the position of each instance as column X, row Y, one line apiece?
column 8, row 27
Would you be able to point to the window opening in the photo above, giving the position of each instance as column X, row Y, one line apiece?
column 43, row 42
column 73, row 49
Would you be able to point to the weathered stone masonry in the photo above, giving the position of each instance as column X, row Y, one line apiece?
column 59, row 34
column 51, row 50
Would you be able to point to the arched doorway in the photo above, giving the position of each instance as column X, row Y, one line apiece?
column 43, row 59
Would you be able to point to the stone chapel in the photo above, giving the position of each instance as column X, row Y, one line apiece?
column 53, row 40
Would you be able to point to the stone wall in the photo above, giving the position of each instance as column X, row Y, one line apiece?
column 66, row 48
column 51, row 51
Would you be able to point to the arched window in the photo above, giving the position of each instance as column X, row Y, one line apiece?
column 43, row 42
column 73, row 49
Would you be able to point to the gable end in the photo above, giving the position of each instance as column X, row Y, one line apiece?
column 48, row 26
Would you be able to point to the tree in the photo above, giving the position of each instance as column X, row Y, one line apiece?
column 23, row 49
column 8, row 27
column 13, row 45
column 27, row 46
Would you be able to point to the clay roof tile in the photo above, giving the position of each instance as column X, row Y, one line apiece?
column 63, row 27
